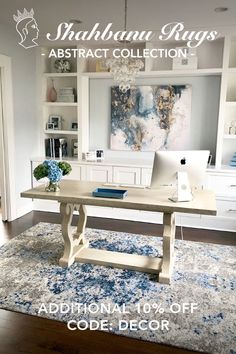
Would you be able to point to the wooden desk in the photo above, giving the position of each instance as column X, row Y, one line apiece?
column 75, row 195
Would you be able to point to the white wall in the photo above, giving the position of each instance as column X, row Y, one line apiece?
column 25, row 117
column 204, row 118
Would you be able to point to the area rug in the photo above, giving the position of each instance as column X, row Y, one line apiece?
column 198, row 306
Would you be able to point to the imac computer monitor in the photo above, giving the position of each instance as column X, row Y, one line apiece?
column 168, row 163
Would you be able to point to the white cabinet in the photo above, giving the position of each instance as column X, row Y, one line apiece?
column 99, row 173
column 129, row 175
column 224, row 186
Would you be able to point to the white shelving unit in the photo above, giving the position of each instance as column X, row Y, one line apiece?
column 70, row 112
column 216, row 58
column 226, row 143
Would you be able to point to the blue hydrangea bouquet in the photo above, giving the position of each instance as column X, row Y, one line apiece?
column 53, row 170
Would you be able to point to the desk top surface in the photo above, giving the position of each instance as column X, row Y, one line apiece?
column 80, row 192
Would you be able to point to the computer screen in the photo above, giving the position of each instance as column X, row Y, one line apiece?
column 168, row 163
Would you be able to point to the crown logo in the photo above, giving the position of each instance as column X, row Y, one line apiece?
column 25, row 14
column 27, row 28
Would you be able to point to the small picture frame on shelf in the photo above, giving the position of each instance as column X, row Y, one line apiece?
column 100, row 154
column 90, row 156
column 74, row 148
column 232, row 128
column 56, row 121
column 50, row 126
column 190, row 61
column 74, row 126
column 209, row 160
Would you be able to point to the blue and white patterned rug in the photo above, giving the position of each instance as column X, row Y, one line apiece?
column 203, row 274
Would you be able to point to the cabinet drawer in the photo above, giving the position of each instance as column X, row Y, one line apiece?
column 129, row 175
column 226, row 208
column 223, row 185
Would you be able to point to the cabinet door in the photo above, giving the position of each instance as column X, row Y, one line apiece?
column 226, row 209
column 146, row 176
column 76, row 173
column 223, row 185
column 98, row 173
column 126, row 175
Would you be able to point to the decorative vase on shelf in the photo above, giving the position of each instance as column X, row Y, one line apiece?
column 52, row 93
column 52, row 187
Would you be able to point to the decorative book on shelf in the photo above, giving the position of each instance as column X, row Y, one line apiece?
column 233, row 160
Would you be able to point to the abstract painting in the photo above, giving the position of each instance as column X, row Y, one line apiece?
column 149, row 118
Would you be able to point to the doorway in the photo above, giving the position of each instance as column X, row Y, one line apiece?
column 3, row 199
column 7, row 174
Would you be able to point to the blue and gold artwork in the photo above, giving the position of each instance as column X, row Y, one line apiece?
column 149, row 118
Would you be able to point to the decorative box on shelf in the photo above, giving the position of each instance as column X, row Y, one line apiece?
column 189, row 61
column 66, row 94
column 233, row 160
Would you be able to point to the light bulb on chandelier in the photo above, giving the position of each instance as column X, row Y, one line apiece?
column 124, row 70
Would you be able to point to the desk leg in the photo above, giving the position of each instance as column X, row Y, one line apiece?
column 74, row 240
column 168, row 248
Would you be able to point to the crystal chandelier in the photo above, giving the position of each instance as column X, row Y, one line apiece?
column 124, row 70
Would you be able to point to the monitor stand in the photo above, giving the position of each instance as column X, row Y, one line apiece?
column 183, row 192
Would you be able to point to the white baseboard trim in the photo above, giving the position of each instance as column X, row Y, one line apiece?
column 51, row 206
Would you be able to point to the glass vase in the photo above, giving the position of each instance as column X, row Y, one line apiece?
column 52, row 187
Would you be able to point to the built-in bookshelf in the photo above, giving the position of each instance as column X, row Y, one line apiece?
column 226, row 140
column 65, row 109
column 216, row 58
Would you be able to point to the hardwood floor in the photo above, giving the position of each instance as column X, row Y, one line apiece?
column 27, row 334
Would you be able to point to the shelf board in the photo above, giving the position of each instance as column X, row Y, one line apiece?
column 60, row 74
column 62, row 104
column 230, row 136
column 64, row 132
column 184, row 72
column 228, row 168
column 232, row 70
column 191, row 72
column 231, row 103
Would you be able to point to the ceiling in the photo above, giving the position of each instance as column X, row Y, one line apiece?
column 142, row 14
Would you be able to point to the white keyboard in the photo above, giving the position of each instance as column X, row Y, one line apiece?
column 124, row 185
